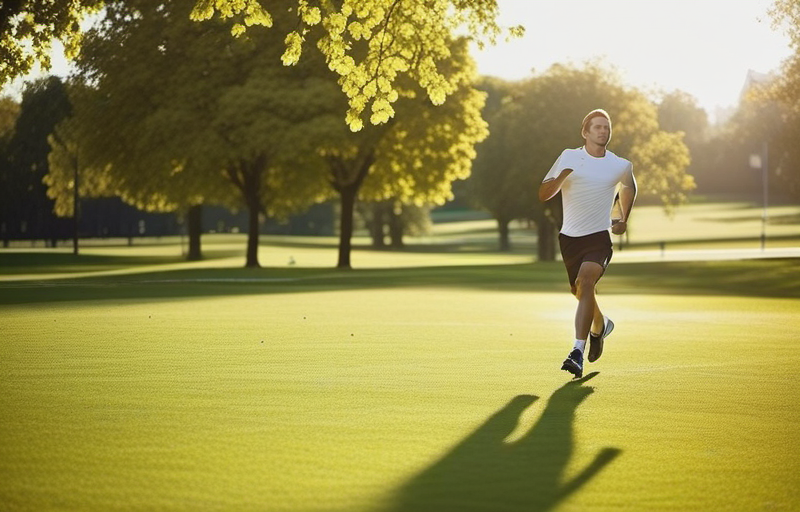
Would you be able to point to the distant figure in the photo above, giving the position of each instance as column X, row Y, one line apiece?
column 291, row 261
column 588, row 179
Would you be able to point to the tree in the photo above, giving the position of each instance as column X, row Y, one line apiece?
column 177, row 114
column 9, row 110
column 108, row 141
column 678, row 111
column 784, row 153
column 396, row 219
column 497, row 174
column 415, row 157
column 28, row 28
column 372, row 44
column 544, row 115
column 28, row 210
column 758, row 121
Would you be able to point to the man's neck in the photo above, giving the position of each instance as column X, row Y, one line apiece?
column 595, row 150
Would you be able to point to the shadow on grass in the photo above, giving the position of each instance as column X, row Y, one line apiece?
column 448, row 243
column 751, row 278
column 212, row 282
column 61, row 262
column 484, row 472
column 20, row 262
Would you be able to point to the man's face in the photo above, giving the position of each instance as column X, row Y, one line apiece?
column 599, row 131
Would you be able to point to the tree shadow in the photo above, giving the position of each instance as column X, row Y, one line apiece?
column 748, row 278
column 484, row 472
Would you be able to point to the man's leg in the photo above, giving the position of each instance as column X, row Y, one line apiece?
column 598, row 321
column 584, row 289
column 588, row 311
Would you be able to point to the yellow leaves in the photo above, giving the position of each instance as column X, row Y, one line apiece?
column 688, row 183
column 248, row 12
column 358, row 31
column 347, row 7
column 384, row 84
column 310, row 16
column 353, row 120
column 515, row 32
column 29, row 29
column 403, row 39
column 294, row 47
column 371, row 88
column 251, row 11
column 343, row 65
column 437, row 86
column 335, row 23
column 255, row 15
column 203, row 10
column 382, row 111
column 438, row 93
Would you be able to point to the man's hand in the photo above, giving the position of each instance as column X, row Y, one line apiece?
column 618, row 227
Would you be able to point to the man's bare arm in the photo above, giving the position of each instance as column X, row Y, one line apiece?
column 627, row 195
column 551, row 187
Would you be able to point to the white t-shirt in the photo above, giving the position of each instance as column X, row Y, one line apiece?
column 588, row 193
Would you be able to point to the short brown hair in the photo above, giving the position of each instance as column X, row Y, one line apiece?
column 598, row 112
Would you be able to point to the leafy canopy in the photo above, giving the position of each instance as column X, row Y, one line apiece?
column 370, row 44
column 772, row 114
column 170, row 113
column 28, row 28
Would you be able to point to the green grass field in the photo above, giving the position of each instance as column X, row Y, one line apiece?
column 421, row 381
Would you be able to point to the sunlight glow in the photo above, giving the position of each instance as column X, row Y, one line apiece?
column 702, row 47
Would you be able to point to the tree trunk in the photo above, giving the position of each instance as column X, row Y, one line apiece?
column 252, row 238
column 376, row 226
column 348, row 198
column 546, row 240
column 396, row 230
column 246, row 175
column 194, row 224
column 347, row 177
column 76, row 206
column 505, row 239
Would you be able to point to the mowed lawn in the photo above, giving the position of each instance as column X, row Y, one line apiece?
column 424, row 388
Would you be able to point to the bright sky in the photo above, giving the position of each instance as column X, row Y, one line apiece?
column 702, row 47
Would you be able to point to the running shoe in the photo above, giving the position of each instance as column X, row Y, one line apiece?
column 596, row 342
column 574, row 363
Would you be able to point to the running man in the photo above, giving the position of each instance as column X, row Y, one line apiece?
column 588, row 179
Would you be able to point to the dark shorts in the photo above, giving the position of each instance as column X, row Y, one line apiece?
column 575, row 250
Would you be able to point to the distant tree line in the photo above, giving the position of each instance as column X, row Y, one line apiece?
column 674, row 148
column 27, row 213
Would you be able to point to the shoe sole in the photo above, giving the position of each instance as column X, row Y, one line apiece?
column 608, row 329
column 572, row 367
